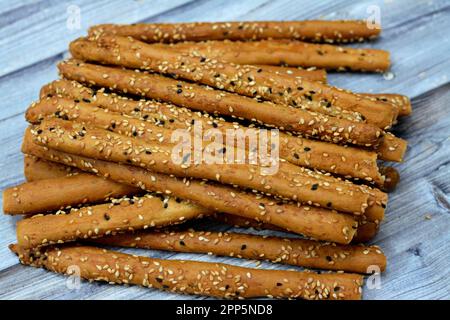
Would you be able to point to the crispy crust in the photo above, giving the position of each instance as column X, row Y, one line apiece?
column 313, row 222
column 292, row 251
column 192, row 277
column 196, row 97
column 246, row 80
column 291, row 53
column 312, row 30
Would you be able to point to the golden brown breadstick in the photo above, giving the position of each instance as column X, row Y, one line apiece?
column 126, row 214
column 192, row 277
column 286, row 180
column 243, row 79
column 291, row 53
column 58, row 193
column 313, row 222
column 403, row 102
column 297, row 252
column 312, row 30
column 344, row 161
column 392, row 148
column 392, row 178
column 39, row 169
column 218, row 102
column 366, row 231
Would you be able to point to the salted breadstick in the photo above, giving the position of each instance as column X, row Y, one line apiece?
column 126, row 214
column 297, row 252
column 58, row 193
column 192, row 277
column 313, row 222
column 243, row 79
column 291, row 53
column 344, row 161
column 218, row 102
column 38, row 169
column 312, row 30
column 287, row 180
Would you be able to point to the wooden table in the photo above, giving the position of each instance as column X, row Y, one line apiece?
column 34, row 36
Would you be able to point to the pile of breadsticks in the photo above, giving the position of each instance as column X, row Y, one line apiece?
column 100, row 173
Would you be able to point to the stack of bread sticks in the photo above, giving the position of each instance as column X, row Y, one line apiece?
column 100, row 174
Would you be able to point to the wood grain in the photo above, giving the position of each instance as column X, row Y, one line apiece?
column 34, row 36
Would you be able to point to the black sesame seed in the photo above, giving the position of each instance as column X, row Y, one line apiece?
column 329, row 258
column 182, row 243
column 279, row 284
column 329, row 204
column 307, row 149
column 106, row 216
column 179, row 91
column 243, row 247
column 296, row 156
column 86, row 100
column 315, row 186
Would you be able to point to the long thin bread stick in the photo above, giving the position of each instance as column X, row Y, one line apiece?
column 191, row 277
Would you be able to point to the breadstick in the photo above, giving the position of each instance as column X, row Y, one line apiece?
column 297, row 252
column 192, row 277
column 243, row 79
column 291, row 53
column 313, row 222
column 39, row 169
column 288, row 181
column 392, row 148
column 110, row 218
column 392, row 178
column 344, row 161
column 218, row 102
column 403, row 102
column 58, row 193
column 313, row 30
column 366, row 230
